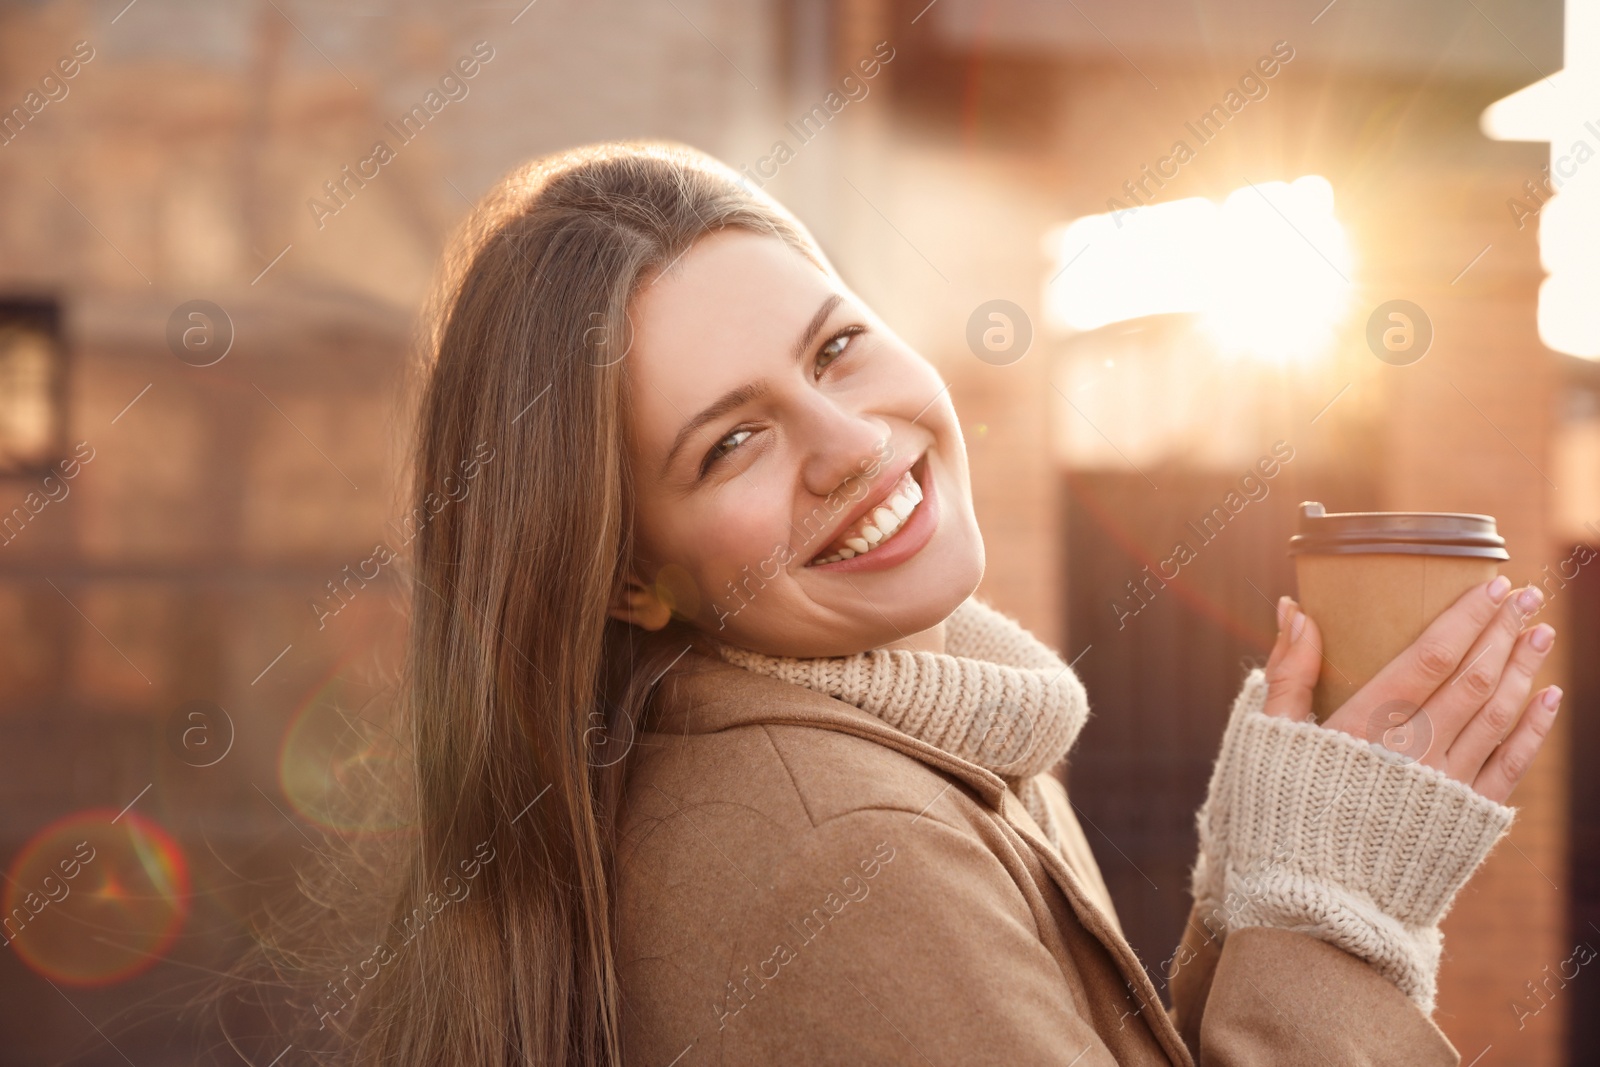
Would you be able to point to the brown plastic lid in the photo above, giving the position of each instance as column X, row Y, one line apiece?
column 1409, row 533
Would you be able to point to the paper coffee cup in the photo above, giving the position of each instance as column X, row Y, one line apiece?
column 1374, row 580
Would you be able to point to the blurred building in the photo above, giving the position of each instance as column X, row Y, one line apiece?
column 208, row 284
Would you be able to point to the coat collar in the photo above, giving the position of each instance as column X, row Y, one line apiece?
column 702, row 694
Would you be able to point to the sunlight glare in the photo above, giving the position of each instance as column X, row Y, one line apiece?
column 1268, row 271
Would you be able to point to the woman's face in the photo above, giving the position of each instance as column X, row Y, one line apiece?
column 801, row 477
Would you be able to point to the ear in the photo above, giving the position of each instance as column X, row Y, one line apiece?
column 640, row 605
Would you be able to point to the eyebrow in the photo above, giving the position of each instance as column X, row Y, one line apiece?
column 744, row 394
column 813, row 327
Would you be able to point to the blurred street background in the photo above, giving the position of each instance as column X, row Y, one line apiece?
column 1147, row 244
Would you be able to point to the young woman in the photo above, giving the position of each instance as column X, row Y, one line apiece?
column 724, row 761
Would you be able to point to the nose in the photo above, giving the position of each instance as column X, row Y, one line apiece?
column 839, row 444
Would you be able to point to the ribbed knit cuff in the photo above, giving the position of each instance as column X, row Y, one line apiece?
column 1307, row 828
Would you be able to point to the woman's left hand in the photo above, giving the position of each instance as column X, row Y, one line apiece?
column 1487, row 743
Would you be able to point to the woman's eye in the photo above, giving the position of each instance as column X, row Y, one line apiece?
column 723, row 447
column 834, row 348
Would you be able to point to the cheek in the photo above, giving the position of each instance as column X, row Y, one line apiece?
column 715, row 543
column 733, row 537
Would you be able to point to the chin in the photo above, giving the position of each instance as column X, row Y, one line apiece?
column 940, row 584
column 933, row 583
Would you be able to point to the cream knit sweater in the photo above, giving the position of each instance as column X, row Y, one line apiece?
column 1303, row 828
column 996, row 696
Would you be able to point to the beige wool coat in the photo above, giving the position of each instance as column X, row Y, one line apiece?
column 800, row 883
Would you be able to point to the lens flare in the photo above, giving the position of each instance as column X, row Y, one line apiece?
column 95, row 898
column 333, row 752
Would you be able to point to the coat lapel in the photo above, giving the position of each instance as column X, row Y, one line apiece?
column 1101, row 925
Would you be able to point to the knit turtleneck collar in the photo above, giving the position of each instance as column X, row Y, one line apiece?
column 995, row 697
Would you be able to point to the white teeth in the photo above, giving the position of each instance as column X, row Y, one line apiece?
column 880, row 524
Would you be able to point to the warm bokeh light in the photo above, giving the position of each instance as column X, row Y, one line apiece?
column 1569, row 227
column 1269, row 270
column 96, row 898
column 1560, row 109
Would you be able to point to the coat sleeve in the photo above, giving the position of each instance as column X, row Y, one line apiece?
column 1266, row 997
column 1325, row 867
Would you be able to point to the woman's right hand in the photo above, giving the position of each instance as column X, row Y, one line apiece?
column 1457, row 699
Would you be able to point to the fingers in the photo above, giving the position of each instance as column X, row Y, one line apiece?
column 1512, row 758
column 1464, row 758
column 1281, row 645
column 1293, row 666
column 1476, row 686
column 1430, row 660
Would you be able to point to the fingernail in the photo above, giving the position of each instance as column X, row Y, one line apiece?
column 1283, row 606
column 1297, row 627
column 1552, row 697
column 1542, row 637
column 1529, row 599
column 1499, row 588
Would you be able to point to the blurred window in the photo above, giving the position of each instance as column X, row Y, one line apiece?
column 31, row 385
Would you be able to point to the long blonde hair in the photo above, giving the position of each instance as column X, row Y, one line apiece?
column 518, row 689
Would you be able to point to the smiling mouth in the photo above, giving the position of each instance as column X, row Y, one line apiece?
column 880, row 524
